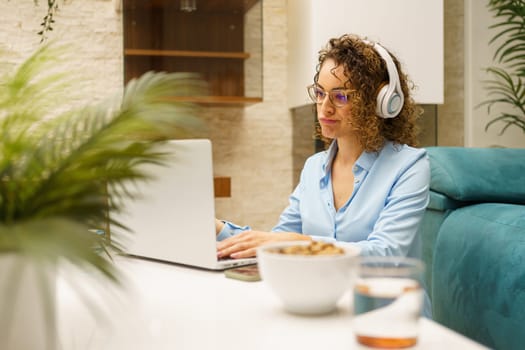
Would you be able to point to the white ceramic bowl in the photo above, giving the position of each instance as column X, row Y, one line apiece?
column 307, row 284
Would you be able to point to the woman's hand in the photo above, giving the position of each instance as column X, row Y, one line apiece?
column 244, row 245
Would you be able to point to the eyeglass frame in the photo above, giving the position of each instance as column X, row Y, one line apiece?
column 329, row 93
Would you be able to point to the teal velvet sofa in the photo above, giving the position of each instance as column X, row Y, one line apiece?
column 473, row 243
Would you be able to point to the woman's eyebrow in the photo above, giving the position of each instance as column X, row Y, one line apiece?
column 336, row 88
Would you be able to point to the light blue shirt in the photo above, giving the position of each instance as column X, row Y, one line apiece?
column 391, row 192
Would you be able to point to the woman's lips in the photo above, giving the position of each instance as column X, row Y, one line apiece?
column 327, row 121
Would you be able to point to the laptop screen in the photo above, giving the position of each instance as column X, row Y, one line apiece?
column 172, row 217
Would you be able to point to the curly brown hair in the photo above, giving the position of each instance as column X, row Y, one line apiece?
column 367, row 73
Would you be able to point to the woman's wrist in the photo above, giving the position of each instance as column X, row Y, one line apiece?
column 219, row 225
column 295, row 236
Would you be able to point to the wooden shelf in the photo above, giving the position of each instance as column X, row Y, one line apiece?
column 221, row 100
column 213, row 6
column 185, row 53
column 210, row 41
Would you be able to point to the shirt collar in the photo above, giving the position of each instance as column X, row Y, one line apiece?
column 330, row 155
column 365, row 160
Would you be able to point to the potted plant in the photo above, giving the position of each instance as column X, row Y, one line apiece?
column 61, row 169
column 507, row 86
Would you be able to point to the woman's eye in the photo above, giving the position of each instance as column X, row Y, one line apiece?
column 339, row 97
column 320, row 93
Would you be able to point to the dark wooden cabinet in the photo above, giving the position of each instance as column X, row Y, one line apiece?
column 219, row 39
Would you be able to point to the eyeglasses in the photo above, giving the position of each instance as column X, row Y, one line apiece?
column 338, row 97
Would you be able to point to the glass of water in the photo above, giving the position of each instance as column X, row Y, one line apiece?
column 388, row 301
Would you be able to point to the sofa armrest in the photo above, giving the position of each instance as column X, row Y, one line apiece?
column 478, row 279
column 478, row 174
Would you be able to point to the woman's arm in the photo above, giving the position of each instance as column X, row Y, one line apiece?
column 241, row 242
column 290, row 219
column 395, row 229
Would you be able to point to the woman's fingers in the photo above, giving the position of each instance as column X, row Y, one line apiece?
column 237, row 251
column 242, row 243
column 248, row 253
column 245, row 244
column 241, row 237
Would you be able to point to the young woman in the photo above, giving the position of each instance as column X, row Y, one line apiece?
column 370, row 187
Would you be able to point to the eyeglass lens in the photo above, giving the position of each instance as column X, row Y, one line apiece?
column 337, row 97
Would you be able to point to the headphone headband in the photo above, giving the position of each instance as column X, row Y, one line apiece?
column 390, row 97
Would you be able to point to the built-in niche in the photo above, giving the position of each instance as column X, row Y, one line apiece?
column 221, row 40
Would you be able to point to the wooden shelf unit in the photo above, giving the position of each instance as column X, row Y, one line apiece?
column 209, row 41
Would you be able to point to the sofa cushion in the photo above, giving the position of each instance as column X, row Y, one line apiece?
column 439, row 201
column 478, row 174
column 478, row 274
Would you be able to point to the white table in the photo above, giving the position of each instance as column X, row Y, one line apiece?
column 165, row 306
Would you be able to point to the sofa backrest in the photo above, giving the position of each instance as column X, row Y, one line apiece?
column 478, row 174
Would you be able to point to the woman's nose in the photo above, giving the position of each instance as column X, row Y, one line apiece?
column 326, row 107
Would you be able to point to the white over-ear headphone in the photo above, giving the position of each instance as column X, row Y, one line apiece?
column 390, row 97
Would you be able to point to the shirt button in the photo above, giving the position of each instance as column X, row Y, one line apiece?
column 356, row 181
column 355, row 168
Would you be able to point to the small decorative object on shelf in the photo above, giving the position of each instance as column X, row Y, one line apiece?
column 221, row 40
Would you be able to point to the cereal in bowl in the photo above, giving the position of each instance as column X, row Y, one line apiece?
column 314, row 248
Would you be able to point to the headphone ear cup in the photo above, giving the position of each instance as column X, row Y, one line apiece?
column 388, row 104
column 382, row 101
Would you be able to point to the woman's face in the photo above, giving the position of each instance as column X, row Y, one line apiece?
column 334, row 121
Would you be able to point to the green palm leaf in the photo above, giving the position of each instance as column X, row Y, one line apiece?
column 60, row 166
column 507, row 88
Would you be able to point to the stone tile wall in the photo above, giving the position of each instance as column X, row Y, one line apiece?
column 91, row 27
column 450, row 115
column 252, row 144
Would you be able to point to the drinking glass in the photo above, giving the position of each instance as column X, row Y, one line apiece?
column 388, row 300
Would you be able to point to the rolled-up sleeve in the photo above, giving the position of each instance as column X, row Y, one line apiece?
column 230, row 229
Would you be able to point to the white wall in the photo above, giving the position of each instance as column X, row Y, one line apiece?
column 411, row 29
column 478, row 56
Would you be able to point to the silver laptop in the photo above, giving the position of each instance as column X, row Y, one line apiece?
column 173, row 219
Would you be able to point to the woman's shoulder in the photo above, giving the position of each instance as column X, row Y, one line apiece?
column 402, row 151
column 317, row 158
column 403, row 156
